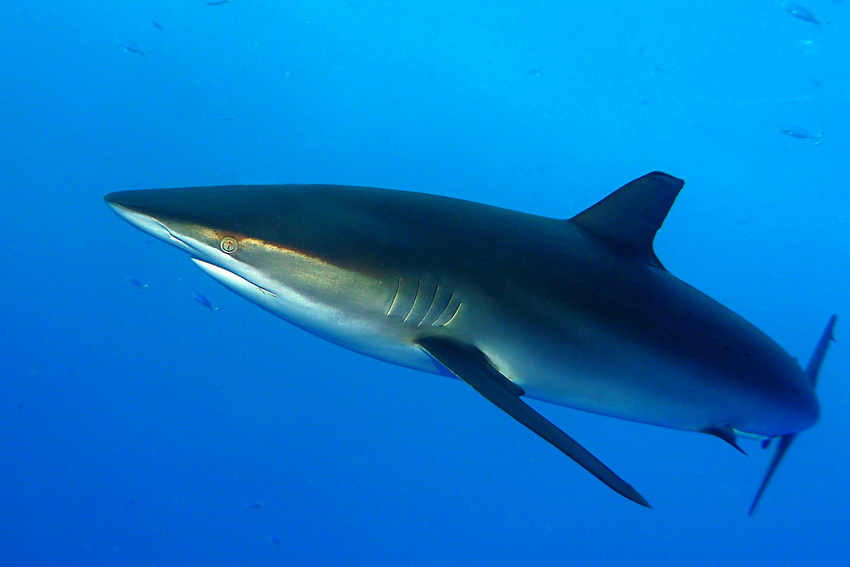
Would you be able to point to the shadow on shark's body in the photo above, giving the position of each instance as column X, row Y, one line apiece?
column 576, row 312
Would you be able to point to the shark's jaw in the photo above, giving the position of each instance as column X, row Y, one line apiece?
column 235, row 282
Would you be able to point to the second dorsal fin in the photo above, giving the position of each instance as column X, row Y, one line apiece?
column 628, row 218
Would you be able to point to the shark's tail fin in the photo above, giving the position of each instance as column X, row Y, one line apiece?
column 785, row 441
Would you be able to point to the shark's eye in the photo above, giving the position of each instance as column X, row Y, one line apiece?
column 229, row 245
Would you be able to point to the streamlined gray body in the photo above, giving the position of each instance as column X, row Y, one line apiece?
column 576, row 312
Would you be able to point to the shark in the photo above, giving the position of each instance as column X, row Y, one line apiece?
column 578, row 312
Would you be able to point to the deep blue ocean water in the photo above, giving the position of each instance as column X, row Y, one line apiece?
column 135, row 425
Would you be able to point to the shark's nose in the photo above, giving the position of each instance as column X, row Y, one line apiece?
column 163, row 204
column 129, row 200
column 124, row 209
column 122, row 203
column 126, row 205
column 145, row 209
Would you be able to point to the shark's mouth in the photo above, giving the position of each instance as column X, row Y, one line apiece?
column 231, row 280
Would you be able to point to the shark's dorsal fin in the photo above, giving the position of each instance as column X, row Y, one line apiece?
column 628, row 218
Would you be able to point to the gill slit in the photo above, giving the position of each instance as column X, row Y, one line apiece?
column 457, row 310
column 436, row 322
column 395, row 297
column 413, row 304
column 431, row 306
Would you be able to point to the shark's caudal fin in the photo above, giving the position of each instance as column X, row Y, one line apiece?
column 785, row 441
column 628, row 218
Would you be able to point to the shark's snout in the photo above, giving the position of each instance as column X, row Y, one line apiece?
column 128, row 200
column 113, row 199
column 127, row 206
column 130, row 206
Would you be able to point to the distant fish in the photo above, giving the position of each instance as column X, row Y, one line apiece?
column 157, row 25
column 204, row 301
column 131, row 47
column 217, row 2
column 802, row 14
column 535, row 72
column 253, row 505
column 225, row 118
column 275, row 541
column 135, row 282
column 801, row 134
column 19, row 406
column 806, row 46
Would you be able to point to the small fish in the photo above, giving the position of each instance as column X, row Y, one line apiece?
column 275, row 541
column 131, row 47
column 20, row 406
column 253, row 505
column 205, row 302
column 218, row 2
column 801, row 134
column 135, row 282
column 535, row 72
column 807, row 46
column 225, row 118
column 157, row 25
column 802, row 14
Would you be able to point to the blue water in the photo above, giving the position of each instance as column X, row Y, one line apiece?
column 135, row 425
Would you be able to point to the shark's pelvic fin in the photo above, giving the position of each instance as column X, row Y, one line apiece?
column 473, row 367
column 628, row 218
column 727, row 434
column 785, row 440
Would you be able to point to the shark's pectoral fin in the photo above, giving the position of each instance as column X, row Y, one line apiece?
column 473, row 367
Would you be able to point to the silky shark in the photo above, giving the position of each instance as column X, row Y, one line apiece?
column 576, row 312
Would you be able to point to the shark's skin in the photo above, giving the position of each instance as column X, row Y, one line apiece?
column 576, row 312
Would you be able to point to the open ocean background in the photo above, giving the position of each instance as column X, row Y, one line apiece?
column 135, row 426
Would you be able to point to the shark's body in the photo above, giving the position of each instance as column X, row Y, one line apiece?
column 576, row 312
